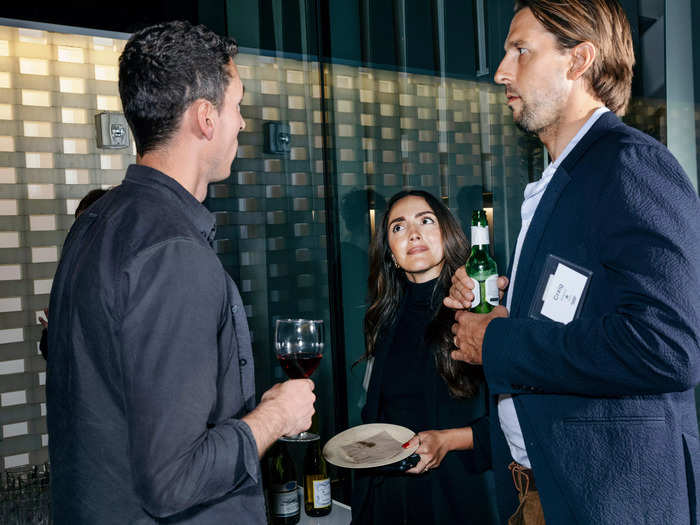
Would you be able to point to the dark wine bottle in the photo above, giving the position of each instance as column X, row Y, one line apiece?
column 481, row 267
column 282, row 479
column 317, row 484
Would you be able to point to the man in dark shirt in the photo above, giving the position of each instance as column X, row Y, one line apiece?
column 150, row 391
column 83, row 205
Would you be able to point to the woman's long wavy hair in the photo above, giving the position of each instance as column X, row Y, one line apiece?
column 387, row 286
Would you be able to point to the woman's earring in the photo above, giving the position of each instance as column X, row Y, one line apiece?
column 395, row 263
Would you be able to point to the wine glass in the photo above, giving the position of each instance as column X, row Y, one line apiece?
column 299, row 348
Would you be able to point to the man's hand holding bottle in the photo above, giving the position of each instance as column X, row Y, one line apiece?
column 469, row 328
column 462, row 290
column 475, row 288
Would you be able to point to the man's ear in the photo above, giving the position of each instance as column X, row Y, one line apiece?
column 205, row 117
column 582, row 58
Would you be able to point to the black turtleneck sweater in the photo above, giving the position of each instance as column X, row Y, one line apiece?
column 409, row 362
column 408, row 391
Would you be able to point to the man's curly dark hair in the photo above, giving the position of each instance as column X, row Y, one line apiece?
column 166, row 67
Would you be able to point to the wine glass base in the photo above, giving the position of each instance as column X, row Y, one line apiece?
column 302, row 437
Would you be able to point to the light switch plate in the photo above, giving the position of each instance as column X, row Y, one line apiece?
column 277, row 138
column 112, row 130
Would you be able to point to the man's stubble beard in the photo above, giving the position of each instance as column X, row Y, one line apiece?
column 540, row 117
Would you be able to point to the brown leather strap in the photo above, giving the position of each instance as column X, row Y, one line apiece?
column 523, row 478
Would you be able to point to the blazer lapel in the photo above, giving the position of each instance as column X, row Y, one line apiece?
column 605, row 123
column 534, row 236
column 559, row 181
column 508, row 273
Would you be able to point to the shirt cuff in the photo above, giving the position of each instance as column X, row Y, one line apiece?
column 245, row 465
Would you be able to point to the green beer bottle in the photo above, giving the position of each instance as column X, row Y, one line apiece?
column 481, row 267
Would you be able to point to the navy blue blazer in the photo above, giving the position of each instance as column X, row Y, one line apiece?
column 606, row 403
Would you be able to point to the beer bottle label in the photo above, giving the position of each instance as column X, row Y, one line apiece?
column 480, row 235
column 492, row 290
column 477, row 293
column 322, row 493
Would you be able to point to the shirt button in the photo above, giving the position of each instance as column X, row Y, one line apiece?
column 234, row 308
column 242, row 362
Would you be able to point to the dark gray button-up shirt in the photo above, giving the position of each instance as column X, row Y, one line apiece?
column 151, row 367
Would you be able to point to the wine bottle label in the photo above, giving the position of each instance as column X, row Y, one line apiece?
column 284, row 500
column 480, row 235
column 322, row 493
column 492, row 290
column 477, row 294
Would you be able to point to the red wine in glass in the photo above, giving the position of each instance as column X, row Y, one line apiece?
column 299, row 348
column 298, row 366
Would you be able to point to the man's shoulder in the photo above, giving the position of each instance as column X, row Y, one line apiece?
column 619, row 135
column 634, row 166
column 144, row 217
column 620, row 147
column 136, row 224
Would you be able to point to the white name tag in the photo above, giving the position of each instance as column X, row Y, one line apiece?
column 563, row 293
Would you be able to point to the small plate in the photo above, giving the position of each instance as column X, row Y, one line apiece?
column 334, row 453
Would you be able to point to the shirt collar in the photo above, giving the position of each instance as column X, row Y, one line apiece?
column 581, row 133
column 171, row 189
column 539, row 186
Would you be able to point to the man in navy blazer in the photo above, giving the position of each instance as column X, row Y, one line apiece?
column 592, row 378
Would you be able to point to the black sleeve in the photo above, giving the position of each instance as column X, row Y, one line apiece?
column 169, row 334
column 478, row 459
column 44, row 344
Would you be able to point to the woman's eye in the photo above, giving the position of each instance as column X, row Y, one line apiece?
column 428, row 220
column 396, row 227
column 522, row 50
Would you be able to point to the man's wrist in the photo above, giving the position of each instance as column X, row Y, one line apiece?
column 266, row 423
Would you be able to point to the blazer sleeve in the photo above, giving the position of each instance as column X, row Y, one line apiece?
column 642, row 337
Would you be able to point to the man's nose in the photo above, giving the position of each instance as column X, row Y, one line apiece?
column 242, row 123
column 503, row 74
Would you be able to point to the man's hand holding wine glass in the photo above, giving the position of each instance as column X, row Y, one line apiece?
column 284, row 409
column 295, row 398
column 299, row 348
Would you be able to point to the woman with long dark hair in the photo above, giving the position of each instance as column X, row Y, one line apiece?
column 414, row 382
